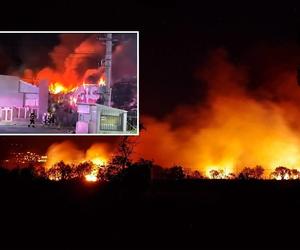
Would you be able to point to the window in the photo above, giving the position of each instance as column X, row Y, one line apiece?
column 109, row 122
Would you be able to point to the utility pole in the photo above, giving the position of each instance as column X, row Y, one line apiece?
column 105, row 91
column 108, row 63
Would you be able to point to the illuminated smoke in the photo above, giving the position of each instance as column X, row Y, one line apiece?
column 68, row 152
column 77, row 59
column 241, row 124
column 74, row 60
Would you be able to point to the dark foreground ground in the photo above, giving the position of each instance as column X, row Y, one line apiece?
column 202, row 214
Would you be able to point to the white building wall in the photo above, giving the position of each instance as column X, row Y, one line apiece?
column 9, row 92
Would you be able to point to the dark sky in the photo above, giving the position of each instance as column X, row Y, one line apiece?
column 175, row 38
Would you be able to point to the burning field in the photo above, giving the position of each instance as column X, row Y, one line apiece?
column 250, row 116
column 66, row 155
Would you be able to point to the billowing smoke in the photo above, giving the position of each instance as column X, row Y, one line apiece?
column 68, row 152
column 76, row 59
column 72, row 59
column 125, row 59
column 249, row 118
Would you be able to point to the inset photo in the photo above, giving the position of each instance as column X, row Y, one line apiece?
column 69, row 83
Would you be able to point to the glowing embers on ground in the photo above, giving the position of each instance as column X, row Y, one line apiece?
column 57, row 87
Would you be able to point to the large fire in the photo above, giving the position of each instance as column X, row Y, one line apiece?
column 57, row 87
column 74, row 61
column 67, row 152
column 98, row 163
column 245, row 121
column 239, row 125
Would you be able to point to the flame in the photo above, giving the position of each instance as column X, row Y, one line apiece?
column 101, row 82
column 66, row 151
column 99, row 161
column 57, row 87
column 91, row 178
column 237, row 126
column 70, row 61
column 224, row 171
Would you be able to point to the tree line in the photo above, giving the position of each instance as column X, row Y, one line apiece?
column 121, row 167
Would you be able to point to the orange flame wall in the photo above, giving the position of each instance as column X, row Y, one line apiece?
column 68, row 152
column 76, row 60
column 71, row 60
column 244, row 122
column 239, row 125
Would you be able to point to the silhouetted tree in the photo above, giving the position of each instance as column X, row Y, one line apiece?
column 215, row 174
column 82, row 169
column 125, row 149
column 295, row 174
column 138, row 175
column 158, row 172
column 194, row 175
column 27, row 172
column 60, row 171
column 175, row 173
column 246, row 173
column 110, row 173
column 251, row 173
column 231, row 176
column 281, row 173
column 40, row 171
column 258, row 172
column 66, row 171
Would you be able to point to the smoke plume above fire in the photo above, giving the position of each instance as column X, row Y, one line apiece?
column 69, row 153
column 251, row 116
column 245, row 120
column 77, row 60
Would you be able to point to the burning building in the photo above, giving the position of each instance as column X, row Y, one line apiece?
column 19, row 98
column 73, row 93
column 96, row 115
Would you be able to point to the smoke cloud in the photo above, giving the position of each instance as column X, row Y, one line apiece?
column 69, row 153
column 248, row 119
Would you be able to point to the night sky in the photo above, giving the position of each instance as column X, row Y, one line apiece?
column 175, row 38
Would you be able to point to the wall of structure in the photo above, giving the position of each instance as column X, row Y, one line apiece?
column 9, row 92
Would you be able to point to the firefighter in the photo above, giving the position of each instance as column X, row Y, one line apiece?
column 32, row 120
column 45, row 119
column 50, row 119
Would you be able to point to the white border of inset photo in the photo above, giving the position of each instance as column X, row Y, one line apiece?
column 84, row 134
